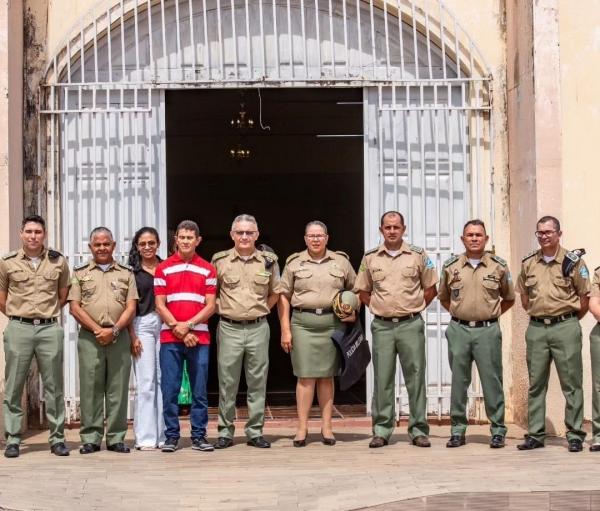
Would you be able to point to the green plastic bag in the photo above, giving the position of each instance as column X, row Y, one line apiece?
column 185, row 393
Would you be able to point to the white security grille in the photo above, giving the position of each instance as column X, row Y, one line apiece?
column 426, row 116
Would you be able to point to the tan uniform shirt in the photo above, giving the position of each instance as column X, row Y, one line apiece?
column 245, row 285
column 396, row 283
column 310, row 284
column 103, row 294
column 596, row 283
column 33, row 292
column 551, row 294
column 475, row 293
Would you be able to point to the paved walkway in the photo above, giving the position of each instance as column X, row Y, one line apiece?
column 344, row 477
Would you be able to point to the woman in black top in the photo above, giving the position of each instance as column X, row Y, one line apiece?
column 148, row 424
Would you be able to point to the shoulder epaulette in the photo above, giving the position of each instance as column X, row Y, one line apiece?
column 531, row 254
column 220, row 255
column 572, row 256
column 596, row 269
column 499, row 260
column 10, row 255
column 416, row 249
column 53, row 254
column 342, row 254
column 450, row 261
column 269, row 256
column 371, row 250
column 292, row 257
column 578, row 253
column 126, row 266
column 81, row 266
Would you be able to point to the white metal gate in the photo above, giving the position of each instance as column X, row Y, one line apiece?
column 426, row 111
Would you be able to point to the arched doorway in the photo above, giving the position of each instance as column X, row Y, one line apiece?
column 424, row 93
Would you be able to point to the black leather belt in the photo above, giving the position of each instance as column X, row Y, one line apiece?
column 476, row 324
column 243, row 321
column 318, row 312
column 397, row 319
column 33, row 321
column 552, row 320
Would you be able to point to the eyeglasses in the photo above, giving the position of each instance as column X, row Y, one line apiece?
column 544, row 234
column 316, row 236
column 244, row 233
column 149, row 244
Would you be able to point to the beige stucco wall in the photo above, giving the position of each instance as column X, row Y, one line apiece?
column 580, row 124
column 11, row 112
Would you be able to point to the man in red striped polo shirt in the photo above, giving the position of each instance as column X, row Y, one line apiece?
column 185, row 287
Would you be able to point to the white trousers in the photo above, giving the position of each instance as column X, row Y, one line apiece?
column 148, row 423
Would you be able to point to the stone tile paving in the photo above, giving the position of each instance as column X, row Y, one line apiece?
column 347, row 476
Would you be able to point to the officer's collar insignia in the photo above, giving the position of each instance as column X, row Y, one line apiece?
column 452, row 259
column 10, row 255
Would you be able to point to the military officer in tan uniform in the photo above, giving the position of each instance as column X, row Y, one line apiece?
column 595, row 353
column 397, row 281
column 309, row 282
column 103, row 298
column 476, row 288
column 247, row 290
column 34, row 283
column 554, row 284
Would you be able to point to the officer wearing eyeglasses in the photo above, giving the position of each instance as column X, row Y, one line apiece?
column 554, row 284
column 476, row 288
column 248, row 279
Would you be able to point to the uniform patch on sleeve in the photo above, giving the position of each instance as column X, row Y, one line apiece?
column 583, row 271
column 362, row 267
column 74, row 281
column 429, row 263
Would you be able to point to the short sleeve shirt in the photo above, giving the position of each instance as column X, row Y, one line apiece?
column 245, row 283
column 549, row 292
column 396, row 283
column 595, row 291
column 313, row 284
column 475, row 294
column 103, row 294
column 185, row 285
column 33, row 292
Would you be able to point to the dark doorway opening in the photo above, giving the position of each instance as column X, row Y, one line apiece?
column 305, row 163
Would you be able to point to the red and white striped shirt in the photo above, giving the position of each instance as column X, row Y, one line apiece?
column 185, row 285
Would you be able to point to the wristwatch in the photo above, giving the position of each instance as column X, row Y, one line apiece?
column 191, row 325
column 116, row 331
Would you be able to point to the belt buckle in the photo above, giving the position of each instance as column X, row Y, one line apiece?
column 547, row 321
column 318, row 311
column 37, row 322
column 395, row 320
column 472, row 324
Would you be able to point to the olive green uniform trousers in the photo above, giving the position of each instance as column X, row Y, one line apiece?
column 405, row 340
column 22, row 342
column 484, row 346
column 103, row 375
column 560, row 342
column 247, row 346
column 595, row 352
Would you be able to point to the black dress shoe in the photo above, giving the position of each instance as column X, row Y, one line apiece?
column 529, row 444
column 258, row 441
column 89, row 448
column 456, row 441
column 595, row 447
column 497, row 442
column 377, row 442
column 575, row 445
column 223, row 443
column 11, row 451
column 59, row 449
column 119, row 447
column 327, row 440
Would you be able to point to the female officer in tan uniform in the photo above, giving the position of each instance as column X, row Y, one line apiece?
column 309, row 283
